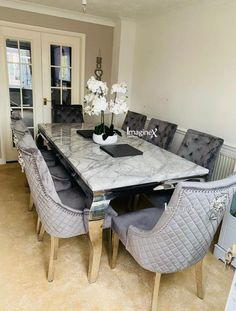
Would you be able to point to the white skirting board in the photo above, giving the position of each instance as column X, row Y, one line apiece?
column 2, row 162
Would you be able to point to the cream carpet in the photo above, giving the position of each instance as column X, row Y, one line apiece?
column 23, row 267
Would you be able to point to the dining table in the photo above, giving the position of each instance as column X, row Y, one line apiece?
column 104, row 178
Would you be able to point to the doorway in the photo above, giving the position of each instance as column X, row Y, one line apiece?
column 39, row 69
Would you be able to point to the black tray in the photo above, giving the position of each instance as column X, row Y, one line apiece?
column 121, row 150
column 85, row 133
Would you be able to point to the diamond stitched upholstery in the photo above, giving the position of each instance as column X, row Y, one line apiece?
column 201, row 148
column 67, row 114
column 184, row 232
column 58, row 220
column 134, row 121
column 164, row 131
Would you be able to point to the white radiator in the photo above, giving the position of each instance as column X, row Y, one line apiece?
column 225, row 166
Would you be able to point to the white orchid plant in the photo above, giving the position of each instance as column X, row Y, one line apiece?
column 96, row 103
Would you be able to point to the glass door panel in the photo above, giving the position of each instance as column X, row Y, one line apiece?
column 19, row 65
column 60, row 74
column 63, row 71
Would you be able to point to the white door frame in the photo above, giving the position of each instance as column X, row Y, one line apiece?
column 4, row 91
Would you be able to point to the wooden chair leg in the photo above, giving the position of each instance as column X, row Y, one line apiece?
column 199, row 279
column 109, row 244
column 156, row 291
column 115, row 246
column 41, row 233
column 95, row 236
column 38, row 225
column 31, row 203
column 54, row 246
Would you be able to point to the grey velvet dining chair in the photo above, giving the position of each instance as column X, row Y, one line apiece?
column 22, row 136
column 134, row 121
column 173, row 239
column 15, row 115
column 61, row 178
column 201, row 148
column 198, row 147
column 161, row 133
column 19, row 129
column 67, row 114
column 62, row 214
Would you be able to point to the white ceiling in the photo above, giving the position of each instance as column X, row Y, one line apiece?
column 115, row 8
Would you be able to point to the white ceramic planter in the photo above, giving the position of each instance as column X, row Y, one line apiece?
column 109, row 141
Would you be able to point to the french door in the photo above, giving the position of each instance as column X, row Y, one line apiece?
column 20, row 57
column 62, row 66
column 37, row 70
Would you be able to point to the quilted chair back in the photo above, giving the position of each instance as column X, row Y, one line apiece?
column 184, row 232
column 58, row 220
column 134, row 121
column 15, row 115
column 201, row 148
column 18, row 127
column 67, row 114
column 161, row 133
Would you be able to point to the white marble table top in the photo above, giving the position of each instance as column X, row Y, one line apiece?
column 101, row 172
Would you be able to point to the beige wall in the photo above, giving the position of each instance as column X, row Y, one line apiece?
column 123, row 57
column 97, row 36
column 185, row 68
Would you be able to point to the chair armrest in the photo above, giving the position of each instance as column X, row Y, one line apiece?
column 171, row 184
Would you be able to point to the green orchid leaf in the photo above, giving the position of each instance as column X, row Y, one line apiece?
column 104, row 136
column 118, row 132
